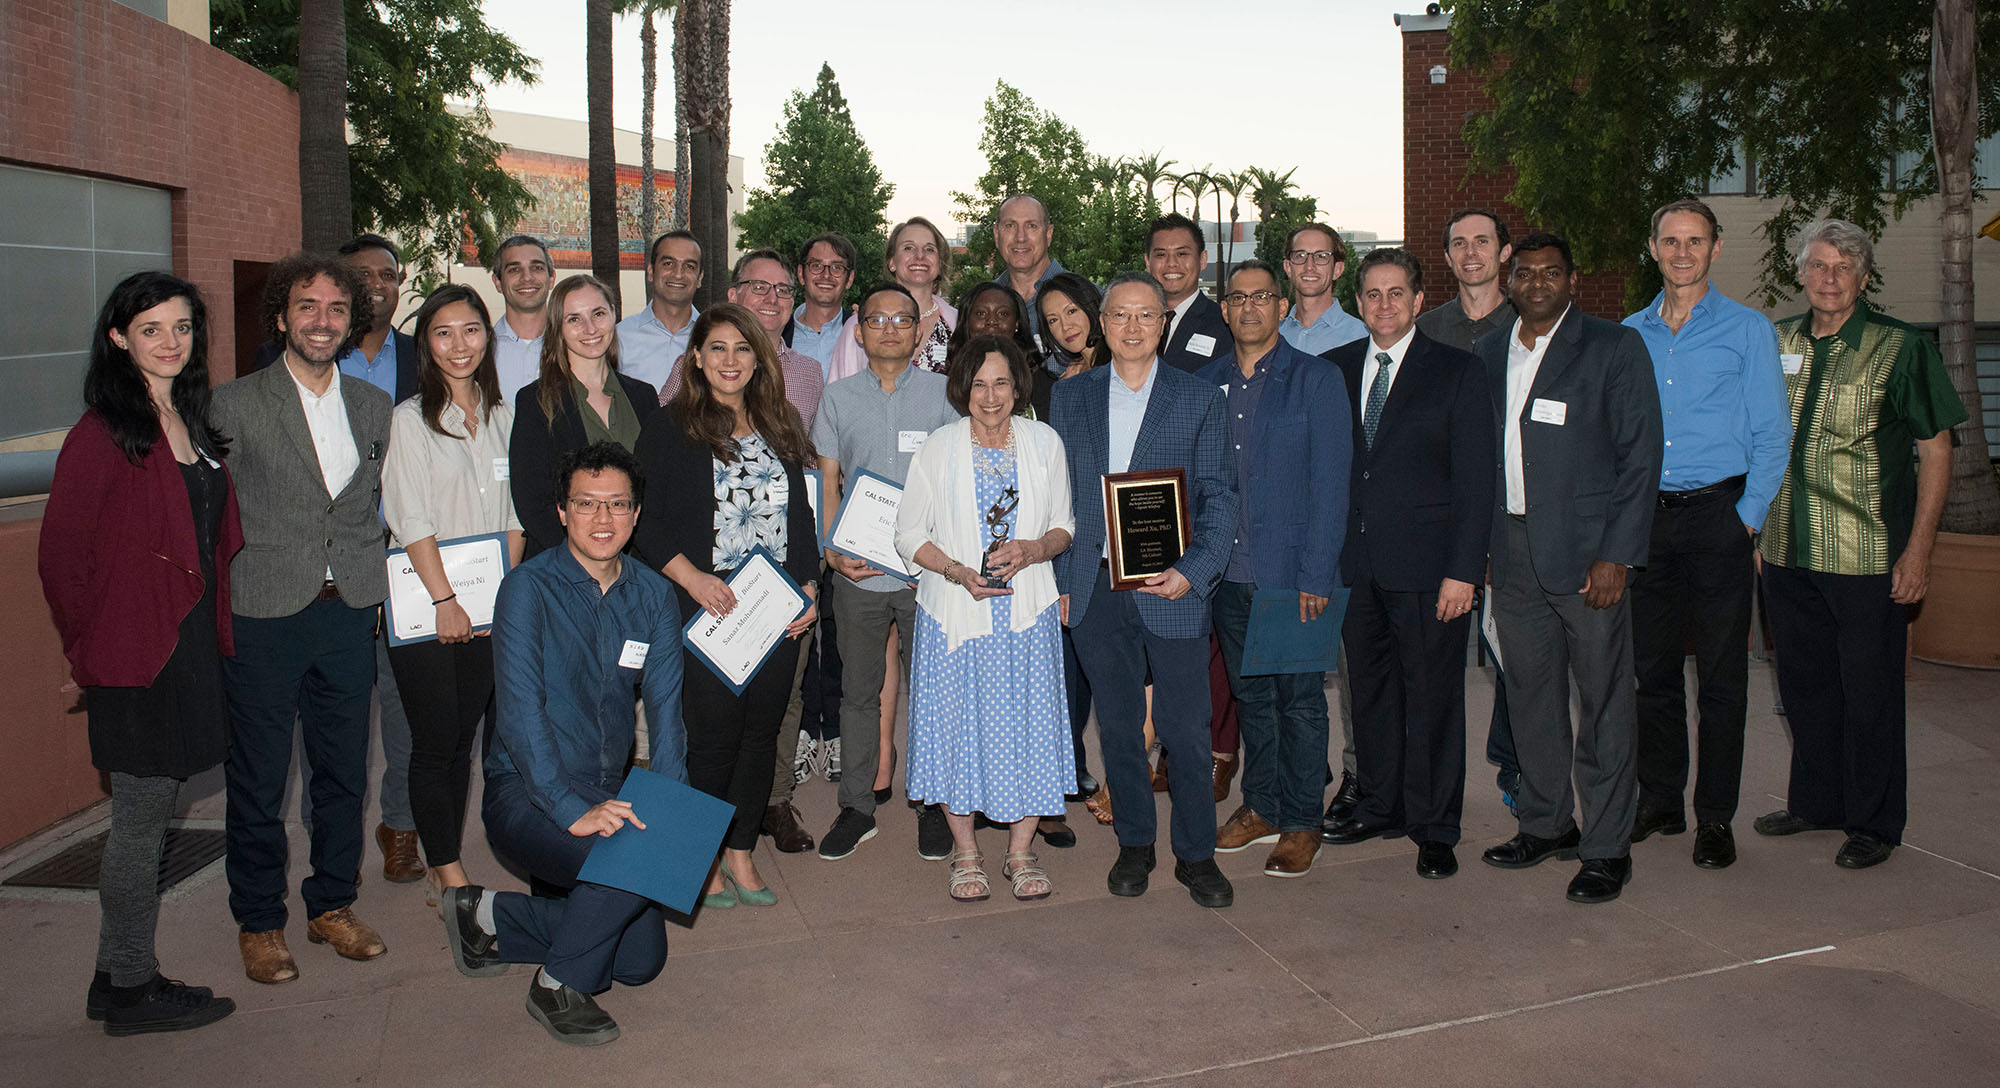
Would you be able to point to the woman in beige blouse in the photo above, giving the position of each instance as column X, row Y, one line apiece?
column 446, row 477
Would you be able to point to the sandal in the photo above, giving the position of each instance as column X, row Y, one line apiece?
column 1099, row 805
column 968, row 877
column 1023, row 868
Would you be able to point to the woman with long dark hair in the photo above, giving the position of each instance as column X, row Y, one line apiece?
column 724, row 463
column 445, row 478
column 134, row 558
column 580, row 398
column 1072, row 338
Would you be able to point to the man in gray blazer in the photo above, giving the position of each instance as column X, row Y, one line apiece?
column 306, row 453
column 1578, row 419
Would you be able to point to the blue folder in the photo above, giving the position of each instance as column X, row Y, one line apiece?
column 668, row 862
column 1278, row 643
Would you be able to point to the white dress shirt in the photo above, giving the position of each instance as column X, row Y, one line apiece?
column 1371, row 367
column 333, row 440
column 1523, row 363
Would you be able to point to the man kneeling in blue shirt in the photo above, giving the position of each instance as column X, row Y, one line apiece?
column 574, row 630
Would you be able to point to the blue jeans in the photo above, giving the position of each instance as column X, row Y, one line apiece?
column 1284, row 721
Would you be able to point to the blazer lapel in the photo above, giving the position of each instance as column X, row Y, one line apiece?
column 1562, row 354
column 1097, row 413
column 350, row 400
column 290, row 417
column 1408, row 386
column 1158, row 404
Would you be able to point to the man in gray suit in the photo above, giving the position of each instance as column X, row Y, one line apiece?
column 1578, row 418
column 306, row 458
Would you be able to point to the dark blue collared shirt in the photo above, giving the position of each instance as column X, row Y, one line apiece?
column 565, row 714
column 1243, row 394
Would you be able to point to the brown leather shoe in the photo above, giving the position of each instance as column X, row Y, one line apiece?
column 1243, row 830
column 1225, row 771
column 265, row 957
column 1294, row 854
column 1099, row 805
column 349, row 936
column 401, row 864
column 1160, row 773
column 781, row 822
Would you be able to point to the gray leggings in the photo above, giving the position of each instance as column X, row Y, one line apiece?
column 129, row 879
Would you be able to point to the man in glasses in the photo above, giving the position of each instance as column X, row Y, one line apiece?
column 1315, row 259
column 1138, row 415
column 574, row 630
column 652, row 340
column 872, row 421
column 761, row 284
column 825, row 273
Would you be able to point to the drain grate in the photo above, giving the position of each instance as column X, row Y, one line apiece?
column 187, row 851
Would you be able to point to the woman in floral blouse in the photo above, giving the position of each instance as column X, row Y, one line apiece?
column 724, row 477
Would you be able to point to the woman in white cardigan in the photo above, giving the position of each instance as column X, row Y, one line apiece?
column 985, row 508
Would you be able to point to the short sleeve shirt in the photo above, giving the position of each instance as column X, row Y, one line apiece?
column 867, row 429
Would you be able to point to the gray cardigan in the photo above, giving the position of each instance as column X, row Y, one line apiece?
column 293, row 531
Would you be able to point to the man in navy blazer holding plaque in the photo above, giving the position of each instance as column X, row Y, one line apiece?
column 1134, row 416
column 1415, row 555
column 574, row 630
column 1288, row 423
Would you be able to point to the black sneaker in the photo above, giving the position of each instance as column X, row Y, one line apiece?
column 850, row 829
column 162, row 1005
column 1205, row 883
column 933, row 834
column 473, row 949
column 100, row 993
column 570, row 1015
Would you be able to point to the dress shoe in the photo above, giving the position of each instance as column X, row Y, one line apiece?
column 1600, row 880
column 570, row 1015
column 1652, row 822
column 348, row 935
column 1782, row 822
column 1714, row 846
column 1224, row 773
column 1436, row 860
column 1345, row 800
column 1160, row 773
column 1130, row 873
column 1205, row 883
column 401, row 864
column 266, row 959
column 1862, row 850
column 1524, row 850
column 1352, row 830
column 1294, row 854
column 1086, row 783
column 1243, row 830
column 1056, row 833
column 781, row 822
column 474, row 951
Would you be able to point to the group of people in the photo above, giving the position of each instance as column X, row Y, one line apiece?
column 215, row 564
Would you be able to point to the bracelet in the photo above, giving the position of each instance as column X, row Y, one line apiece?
column 946, row 572
column 441, row 600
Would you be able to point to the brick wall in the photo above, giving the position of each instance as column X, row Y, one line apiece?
column 1435, row 182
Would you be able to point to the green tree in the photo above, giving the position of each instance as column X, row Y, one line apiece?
column 1602, row 110
column 1110, row 232
column 820, row 176
column 603, row 153
column 1028, row 150
column 421, row 172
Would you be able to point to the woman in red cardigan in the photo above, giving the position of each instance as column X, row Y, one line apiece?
column 136, row 541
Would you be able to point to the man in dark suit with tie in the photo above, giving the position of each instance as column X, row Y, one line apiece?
column 1137, row 415
column 1578, row 418
column 1416, row 551
column 1194, row 333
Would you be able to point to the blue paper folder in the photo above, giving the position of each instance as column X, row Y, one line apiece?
column 668, row 862
column 1278, row 643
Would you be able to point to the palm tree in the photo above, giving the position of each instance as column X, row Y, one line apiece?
column 1149, row 172
column 701, row 84
column 603, row 154
column 326, row 199
column 1266, row 188
column 1198, row 182
column 1234, row 185
column 1973, row 505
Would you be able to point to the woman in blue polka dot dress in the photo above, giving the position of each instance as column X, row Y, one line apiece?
column 989, row 722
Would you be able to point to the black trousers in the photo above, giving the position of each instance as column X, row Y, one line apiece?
column 1697, row 587
column 1406, row 670
column 1840, row 643
column 447, row 688
column 732, row 744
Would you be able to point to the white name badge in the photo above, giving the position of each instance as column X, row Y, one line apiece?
column 1201, row 344
column 1792, row 363
column 634, row 654
column 908, row 441
column 1549, row 411
column 500, row 468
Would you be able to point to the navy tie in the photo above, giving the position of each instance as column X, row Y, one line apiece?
column 1377, row 393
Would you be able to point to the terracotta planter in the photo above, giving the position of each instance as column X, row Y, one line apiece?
column 1959, row 621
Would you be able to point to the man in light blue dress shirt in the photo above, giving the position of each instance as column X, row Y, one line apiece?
column 650, row 340
column 826, row 271
column 524, row 276
column 1315, row 258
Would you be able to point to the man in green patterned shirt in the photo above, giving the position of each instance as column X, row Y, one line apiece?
column 1847, row 546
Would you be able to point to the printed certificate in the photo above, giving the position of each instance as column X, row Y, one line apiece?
column 475, row 565
column 735, row 646
column 865, row 527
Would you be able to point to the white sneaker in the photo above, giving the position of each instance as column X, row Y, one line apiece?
column 808, row 755
column 830, row 759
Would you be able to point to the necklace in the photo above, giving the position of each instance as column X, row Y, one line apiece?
column 996, row 466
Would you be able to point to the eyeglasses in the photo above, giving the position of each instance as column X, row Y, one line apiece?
column 838, row 268
column 1133, row 317
column 1238, row 298
column 618, row 508
column 1310, row 256
column 883, row 321
column 760, row 288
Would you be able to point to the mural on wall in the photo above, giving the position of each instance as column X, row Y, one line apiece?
column 560, row 185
